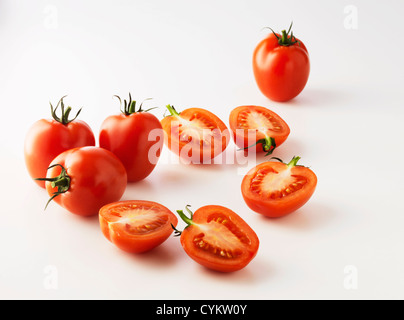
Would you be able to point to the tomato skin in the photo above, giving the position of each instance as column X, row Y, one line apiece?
column 97, row 177
column 281, row 72
column 241, row 135
column 48, row 138
column 203, row 154
column 127, row 136
column 203, row 217
column 135, row 243
column 278, row 207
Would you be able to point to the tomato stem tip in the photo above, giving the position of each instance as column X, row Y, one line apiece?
column 293, row 162
column 172, row 110
column 187, row 220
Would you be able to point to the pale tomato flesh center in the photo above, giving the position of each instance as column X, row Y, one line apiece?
column 276, row 185
column 259, row 121
column 196, row 129
column 138, row 219
column 221, row 237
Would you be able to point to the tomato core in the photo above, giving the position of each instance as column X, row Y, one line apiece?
column 258, row 120
column 275, row 185
column 220, row 236
column 197, row 130
column 138, row 219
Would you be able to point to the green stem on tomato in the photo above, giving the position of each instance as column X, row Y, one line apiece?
column 285, row 39
column 187, row 220
column 293, row 162
column 132, row 107
column 62, row 182
column 172, row 110
column 268, row 145
column 64, row 119
column 129, row 107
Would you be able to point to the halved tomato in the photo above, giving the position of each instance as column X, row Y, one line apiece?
column 257, row 128
column 136, row 225
column 275, row 189
column 196, row 135
column 217, row 238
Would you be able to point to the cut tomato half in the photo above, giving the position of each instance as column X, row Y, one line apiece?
column 257, row 128
column 196, row 135
column 136, row 225
column 275, row 189
column 217, row 238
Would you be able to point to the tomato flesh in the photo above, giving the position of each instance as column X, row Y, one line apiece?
column 250, row 124
column 219, row 239
column 276, row 185
column 136, row 226
column 275, row 189
column 196, row 135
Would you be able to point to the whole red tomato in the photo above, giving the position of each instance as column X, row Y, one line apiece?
column 281, row 66
column 135, row 137
column 82, row 180
column 47, row 138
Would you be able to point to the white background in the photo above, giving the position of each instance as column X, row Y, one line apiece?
column 347, row 125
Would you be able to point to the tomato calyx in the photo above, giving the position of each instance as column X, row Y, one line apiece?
column 292, row 163
column 187, row 220
column 172, row 111
column 129, row 107
column 62, row 182
column 268, row 145
column 285, row 39
column 64, row 119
